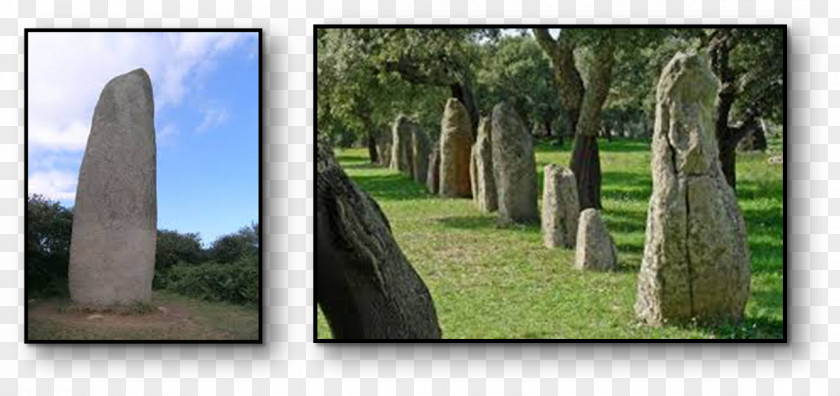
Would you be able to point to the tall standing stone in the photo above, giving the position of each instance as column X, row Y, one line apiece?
column 455, row 145
column 595, row 249
column 421, row 148
column 696, row 262
column 433, row 177
column 401, row 146
column 367, row 288
column 112, row 248
column 560, row 207
column 514, row 167
column 481, row 171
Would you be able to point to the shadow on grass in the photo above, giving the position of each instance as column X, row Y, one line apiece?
column 468, row 222
column 361, row 165
column 344, row 157
column 549, row 145
column 760, row 327
column 485, row 222
column 395, row 186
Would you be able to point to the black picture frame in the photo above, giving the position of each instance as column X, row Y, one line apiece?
column 260, row 126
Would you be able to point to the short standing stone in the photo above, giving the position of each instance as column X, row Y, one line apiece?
column 595, row 248
column 560, row 207
column 455, row 145
column 481, row 173
column 401, row 146
column 420, row 147
column 514, row 167
column 696, row 262
column 433, row 177
column 112, row 248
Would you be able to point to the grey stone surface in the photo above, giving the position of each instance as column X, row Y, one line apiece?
column 560, row 207
column 455, row 146
column 421, row 147
column 696, row 263
column 595, row 249
column 401, row 146
column 514, row 167
column 112, row 249
column 481, row 171
column 433, row 176
column 383, row 147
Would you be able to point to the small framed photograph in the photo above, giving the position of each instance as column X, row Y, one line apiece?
column 143, row 186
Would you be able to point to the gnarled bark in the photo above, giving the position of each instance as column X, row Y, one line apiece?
column 366, row 287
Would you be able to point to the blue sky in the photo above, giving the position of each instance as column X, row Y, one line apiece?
column 206, row 119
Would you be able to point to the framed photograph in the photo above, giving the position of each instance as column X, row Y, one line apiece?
column 142, row 150
column 616, row 183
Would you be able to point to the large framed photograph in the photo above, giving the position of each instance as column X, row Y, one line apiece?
column 143, row 186
column 550, row 183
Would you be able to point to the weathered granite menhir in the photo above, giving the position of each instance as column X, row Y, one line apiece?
column 112, row 249
column 696, row 264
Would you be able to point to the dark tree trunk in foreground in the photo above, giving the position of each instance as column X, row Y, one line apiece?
column 366, row 287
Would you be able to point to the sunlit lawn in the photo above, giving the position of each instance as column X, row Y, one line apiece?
column 488, row 282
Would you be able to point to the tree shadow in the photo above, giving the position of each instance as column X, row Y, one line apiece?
column 487, row 222
column 468, row 222
column 618, row 145
column 361, row 165
column 394, row 186
column 344, row 157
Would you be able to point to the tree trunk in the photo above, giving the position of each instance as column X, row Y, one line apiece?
column 366, row 287
column 371, row 144
column 726, row 155
column 586, row 165
column 461, row 91
column 548, row 121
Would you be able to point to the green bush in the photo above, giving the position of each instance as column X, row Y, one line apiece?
column 236, row 282
column 49, row 226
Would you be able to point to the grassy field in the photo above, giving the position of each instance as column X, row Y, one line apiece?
column 488, row 282
column 169, row 316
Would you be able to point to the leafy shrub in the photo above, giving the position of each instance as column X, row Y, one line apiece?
column 229, row 248
column 236, row 282
column 49, row 226
column 173, row 248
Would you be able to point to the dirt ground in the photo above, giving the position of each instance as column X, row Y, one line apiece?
column 169, row 317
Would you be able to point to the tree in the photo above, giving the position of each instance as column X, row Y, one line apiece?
column 357, row 95
column 514, row 69
column 367, row 289
column 582, row 102
column 748, row 63
column 48, row 230
column 173, row 247
column 231, row 247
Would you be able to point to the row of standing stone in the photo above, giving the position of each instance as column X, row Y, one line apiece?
column 696, row 263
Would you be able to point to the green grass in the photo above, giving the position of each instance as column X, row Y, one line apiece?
column 182, row 318
column 488, row 282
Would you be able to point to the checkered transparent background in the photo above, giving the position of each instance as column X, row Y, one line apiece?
column 289, row 363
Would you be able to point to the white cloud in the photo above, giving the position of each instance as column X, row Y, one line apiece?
column 53, row 184
column 67, row 71
column 213, row 116
column 167, row 133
